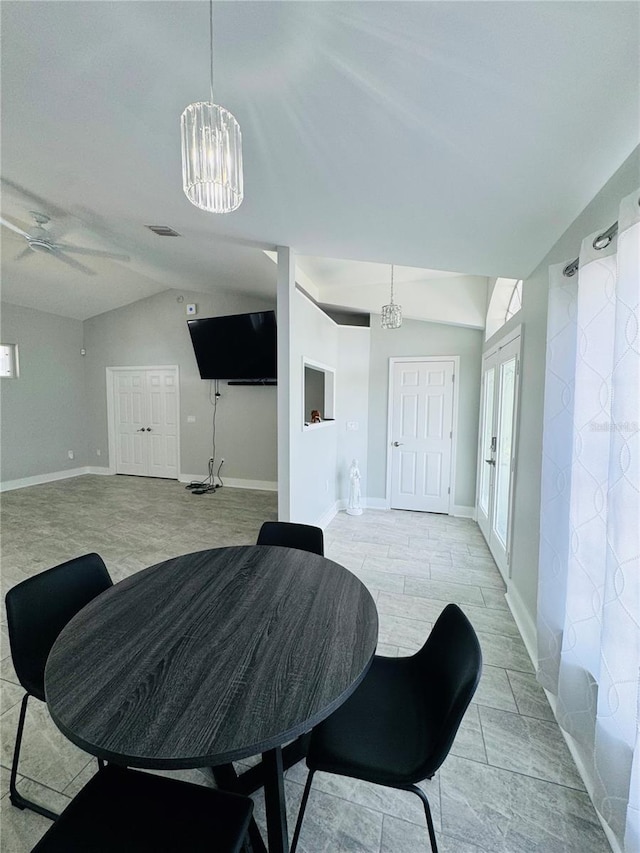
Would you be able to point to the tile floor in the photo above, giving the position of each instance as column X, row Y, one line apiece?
column 509, row 784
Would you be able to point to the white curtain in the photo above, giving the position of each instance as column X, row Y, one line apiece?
column 589, row 572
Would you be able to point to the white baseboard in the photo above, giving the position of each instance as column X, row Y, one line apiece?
column 583, row 770
column 260, row 485
column 233, row 483
column 524, row 623
column 463, row 511
column 367, row 503
column 326, row 517
column 40, row 479
column 458, row 511
column 374, row 503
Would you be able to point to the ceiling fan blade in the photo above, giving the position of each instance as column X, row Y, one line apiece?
column 23, row 254
column 72, row 263
column 13, row 227
column 97, row 253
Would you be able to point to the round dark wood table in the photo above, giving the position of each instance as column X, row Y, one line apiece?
column 211, row 657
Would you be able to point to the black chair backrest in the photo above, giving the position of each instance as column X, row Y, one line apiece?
column 449, row 665
column 305, row 537
column 40, row 607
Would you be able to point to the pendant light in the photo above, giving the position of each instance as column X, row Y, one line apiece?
column 211, row 152
column 391, row 314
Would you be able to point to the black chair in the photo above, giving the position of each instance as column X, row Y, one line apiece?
column 136, row 812
column 37, row 611
column 397, row 728
column 305, row 537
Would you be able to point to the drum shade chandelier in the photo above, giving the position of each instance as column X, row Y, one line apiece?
column 211, row 151
column 391, row 314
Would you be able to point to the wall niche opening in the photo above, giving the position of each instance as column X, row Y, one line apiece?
column 318, row 394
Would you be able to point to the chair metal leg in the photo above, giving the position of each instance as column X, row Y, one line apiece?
column 226, row 779
column 427, row 811
column 14, row 795
column 303, row 805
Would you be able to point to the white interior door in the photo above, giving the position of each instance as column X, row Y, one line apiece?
column 162, row 423
column 145, row 421
column 421, row 434
column 130, row 411
column 499, row 417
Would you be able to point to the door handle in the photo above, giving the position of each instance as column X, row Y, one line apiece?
column 148, row 429
column 397, row 443
column 140, row 430
column 490, row 461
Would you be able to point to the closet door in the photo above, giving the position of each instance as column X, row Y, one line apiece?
column 162, row 423
column 145, row 421
column 130, row 422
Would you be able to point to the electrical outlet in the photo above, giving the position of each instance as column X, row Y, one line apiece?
column 70, row 454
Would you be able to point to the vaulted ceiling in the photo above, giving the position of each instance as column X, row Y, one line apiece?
column 450, row 136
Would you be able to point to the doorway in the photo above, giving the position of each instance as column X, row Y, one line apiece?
column 143, row 421
column 421, row 418
column 497, row 446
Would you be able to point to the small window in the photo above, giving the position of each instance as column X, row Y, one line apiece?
column 515, row 302
column 9, row 361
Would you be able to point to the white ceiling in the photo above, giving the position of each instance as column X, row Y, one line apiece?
column 459, row 136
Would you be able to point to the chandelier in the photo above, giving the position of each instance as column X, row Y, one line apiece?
column 211, row 151
column 391, row 314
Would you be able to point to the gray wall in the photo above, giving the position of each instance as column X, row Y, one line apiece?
column 44, row 411
column 154, row 332
column 416, row 338
column 600, row 213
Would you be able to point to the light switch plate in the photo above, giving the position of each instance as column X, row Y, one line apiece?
column 192, row 308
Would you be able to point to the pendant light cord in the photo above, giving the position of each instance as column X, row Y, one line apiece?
column 392, row 284
column 211, row 45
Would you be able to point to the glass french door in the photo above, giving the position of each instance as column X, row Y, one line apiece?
column 496, row 457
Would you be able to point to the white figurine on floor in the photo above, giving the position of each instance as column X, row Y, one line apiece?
column 354, row 507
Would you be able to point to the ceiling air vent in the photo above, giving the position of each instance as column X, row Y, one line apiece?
column 162, row 230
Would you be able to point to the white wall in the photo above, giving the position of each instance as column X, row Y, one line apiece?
column 352, row 406
column 44, row 411
column 313, row 480
column 460, row 300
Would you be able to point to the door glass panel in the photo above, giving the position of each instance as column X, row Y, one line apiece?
column 487, row 426
column 505, row 442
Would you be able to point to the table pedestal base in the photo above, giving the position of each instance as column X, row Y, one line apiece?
column 268, row 774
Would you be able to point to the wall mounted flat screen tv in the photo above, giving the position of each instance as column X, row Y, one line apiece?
column 236, row 346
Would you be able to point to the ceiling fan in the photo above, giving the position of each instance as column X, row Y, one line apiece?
column 42, row 241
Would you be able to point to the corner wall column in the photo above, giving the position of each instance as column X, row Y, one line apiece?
column 285, row 302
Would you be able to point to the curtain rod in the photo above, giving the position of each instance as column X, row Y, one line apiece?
column 601, row 242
